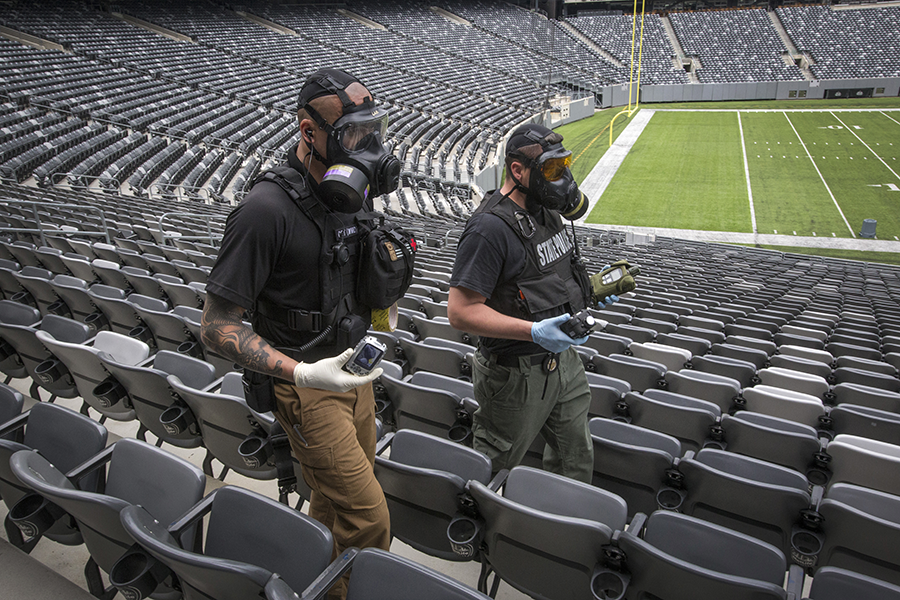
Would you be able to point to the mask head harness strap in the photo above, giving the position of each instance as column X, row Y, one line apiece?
column 330, row 82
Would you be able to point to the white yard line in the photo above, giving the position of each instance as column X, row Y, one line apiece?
column 747, row 175
column 825, row 183
column 598, row 179
column 891, row 118
column 866, row 145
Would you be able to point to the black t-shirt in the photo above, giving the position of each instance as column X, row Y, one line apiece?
column 270, row 252
column 489, row 253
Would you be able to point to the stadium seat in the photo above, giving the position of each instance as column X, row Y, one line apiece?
column 545, row 535
column 60, row 435
column 279, row 550
column 679, row 557
column 87, row 371
column 136, row 473
column 157, row 406
column 631, row 462
column 424, row 483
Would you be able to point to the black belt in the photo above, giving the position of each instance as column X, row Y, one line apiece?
column 311, row 355
column 548, row 359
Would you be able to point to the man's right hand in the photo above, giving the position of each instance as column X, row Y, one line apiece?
column 328, row 374
column 550, row 337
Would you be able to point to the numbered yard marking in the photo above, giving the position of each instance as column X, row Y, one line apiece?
column 890, row 186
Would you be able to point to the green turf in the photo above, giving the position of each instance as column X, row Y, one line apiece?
column 686, row 172
column 788, row 193
column 808, row 170
column 588, row 139
column 891, row 102
column 867, row 155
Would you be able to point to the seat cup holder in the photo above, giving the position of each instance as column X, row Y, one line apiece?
column 461, row 434
column 137, row 574
column 49, row 371
column 109, row 392
column 142, row 333
column 805, row 546
column 465, row 535
column 817, row 476
column 177, row 419
column 668, row 498
column 255, row 451
column 381, row 405
column 607, row 584
column 23, row 298
column 33, row 515
column 96, row 321
column 59, row 308
column 190, row 348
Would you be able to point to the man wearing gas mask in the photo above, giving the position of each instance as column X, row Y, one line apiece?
column 291, row 253
column 516, row 280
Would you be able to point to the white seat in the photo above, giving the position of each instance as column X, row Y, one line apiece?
column 784, row 403
column 797, row 381
column 808, row 353
column 865, row 462
column 670, row 356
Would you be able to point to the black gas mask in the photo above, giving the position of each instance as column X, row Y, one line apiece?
column 551, row 184
column 358, row 162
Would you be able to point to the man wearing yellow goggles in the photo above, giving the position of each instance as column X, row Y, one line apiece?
column 517, row 278
column 548, row 182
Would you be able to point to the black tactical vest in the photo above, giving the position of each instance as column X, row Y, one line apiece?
column 318, row 309
column 548, row 285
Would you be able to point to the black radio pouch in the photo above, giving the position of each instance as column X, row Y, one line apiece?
column 386, row 266
column 259, row 391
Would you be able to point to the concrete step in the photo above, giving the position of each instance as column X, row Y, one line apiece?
column 24, row 577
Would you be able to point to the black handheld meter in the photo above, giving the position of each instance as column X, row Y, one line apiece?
column 366, row 356
column 579, row 326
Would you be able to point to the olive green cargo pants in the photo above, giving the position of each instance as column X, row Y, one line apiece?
column 518, row 403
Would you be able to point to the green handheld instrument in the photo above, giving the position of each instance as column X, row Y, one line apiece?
column 616, row 279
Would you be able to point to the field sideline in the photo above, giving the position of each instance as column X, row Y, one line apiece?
column 811, row 168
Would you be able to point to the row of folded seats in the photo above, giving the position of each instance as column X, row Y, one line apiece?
column 664, row 424
column 142, row 515
column 786, row 431
column 747, row 529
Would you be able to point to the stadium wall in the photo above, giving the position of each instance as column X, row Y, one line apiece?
column 768, row 90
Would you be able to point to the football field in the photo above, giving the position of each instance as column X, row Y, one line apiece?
column 804, row 172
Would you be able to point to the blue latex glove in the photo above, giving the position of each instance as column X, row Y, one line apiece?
column 609, row 300
column 548, row 334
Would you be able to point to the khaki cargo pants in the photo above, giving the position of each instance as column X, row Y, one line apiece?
column 333, row 437
column 518, row 403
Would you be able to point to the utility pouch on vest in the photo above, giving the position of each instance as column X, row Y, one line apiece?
column 386, row 266
column 351, row 329
column 259, row 391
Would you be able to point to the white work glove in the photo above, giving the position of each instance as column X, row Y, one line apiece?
column 327, row 374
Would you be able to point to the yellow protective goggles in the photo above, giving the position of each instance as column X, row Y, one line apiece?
column 554, row 168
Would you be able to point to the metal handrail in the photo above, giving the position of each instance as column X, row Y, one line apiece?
column 179, row 191
column 40, row 230
column 55, row 178
column 212, row 237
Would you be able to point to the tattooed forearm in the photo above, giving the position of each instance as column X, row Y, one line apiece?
column 224, row 331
